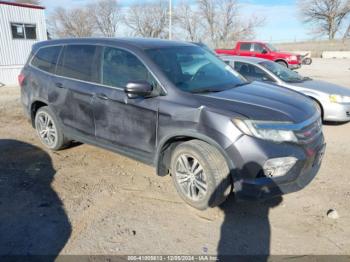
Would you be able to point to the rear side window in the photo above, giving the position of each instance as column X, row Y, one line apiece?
column 245, row 46
column 79, row 62
column 120, row 67
column 251, row 72
column 46, row 58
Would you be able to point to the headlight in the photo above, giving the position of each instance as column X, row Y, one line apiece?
column 339, row 99
column 267, row 130
column 293, row 58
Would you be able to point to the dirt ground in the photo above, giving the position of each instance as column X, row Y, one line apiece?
column 86, row 200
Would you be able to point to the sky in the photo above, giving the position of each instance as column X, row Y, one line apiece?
column 283, row 23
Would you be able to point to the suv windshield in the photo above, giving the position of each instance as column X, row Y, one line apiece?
column 195, row 70
column 282, row 72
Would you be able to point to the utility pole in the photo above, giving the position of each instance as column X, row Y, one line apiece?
column 170, row 19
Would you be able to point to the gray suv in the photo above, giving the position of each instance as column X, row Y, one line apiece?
column 178, row 107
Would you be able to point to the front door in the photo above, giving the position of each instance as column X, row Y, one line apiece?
column 129, row 123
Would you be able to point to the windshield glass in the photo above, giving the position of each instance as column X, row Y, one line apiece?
column 272, row 48
column 195, row 70
column 282, row 72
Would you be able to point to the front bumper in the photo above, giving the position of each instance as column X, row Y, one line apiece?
column 249, row 155
column 336, row 112
column 294, row 66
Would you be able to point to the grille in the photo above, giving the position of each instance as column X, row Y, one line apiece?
column 348, row 114
column 309, row 133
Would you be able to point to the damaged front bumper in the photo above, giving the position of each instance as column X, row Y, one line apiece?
column 250, row 179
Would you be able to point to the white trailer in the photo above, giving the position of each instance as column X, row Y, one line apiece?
column 21, row 25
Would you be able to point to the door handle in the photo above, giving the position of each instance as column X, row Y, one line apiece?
column 59, row 85
column 102, row 96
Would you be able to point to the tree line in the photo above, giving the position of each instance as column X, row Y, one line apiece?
column 217, row 22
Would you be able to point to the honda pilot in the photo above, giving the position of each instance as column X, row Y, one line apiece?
column 178, row 107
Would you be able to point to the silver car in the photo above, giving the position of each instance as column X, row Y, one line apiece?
column 333, row 100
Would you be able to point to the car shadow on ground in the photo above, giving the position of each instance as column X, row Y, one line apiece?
column 32, row 218
column 246, row 231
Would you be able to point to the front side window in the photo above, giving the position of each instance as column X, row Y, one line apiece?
column 194, row 70
column 79, row 62
column 259, row 48
column 252, row 72
column 282, row 72
column 23, row 31
column 120, row 67
column 46, row 58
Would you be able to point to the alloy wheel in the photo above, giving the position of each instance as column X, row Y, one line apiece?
column 46, row 129
column 191, row 178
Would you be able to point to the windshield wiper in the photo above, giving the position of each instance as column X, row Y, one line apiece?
column 207, row 91
column 306, row 78
column 243, row 84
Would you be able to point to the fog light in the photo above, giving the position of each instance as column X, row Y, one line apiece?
column 276, row 167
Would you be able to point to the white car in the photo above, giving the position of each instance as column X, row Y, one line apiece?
column 333, row 100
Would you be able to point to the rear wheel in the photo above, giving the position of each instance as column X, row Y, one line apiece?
column 200, row 174
column 48, row 129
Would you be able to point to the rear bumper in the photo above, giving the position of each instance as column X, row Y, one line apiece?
column 336, row 112
column 250, row 183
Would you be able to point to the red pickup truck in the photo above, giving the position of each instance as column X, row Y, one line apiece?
column 263, row 50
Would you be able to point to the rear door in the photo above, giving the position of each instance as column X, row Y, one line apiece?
column 129, row 123
column 77, row 75
column 245, row 49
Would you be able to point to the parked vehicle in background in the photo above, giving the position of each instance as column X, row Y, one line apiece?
column 306, row 60
column 263, row 50
column 178, row 107
column 333, row 100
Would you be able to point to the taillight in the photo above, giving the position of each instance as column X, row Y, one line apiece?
column 21, row 78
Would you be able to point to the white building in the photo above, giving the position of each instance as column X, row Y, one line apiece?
column 21, row 25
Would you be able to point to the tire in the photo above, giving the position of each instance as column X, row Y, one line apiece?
column 282, row 63
column 50, row 132
column 307, row 61
column 215, row 174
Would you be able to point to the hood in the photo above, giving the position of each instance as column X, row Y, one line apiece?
column 261, row 101
column 325, row 87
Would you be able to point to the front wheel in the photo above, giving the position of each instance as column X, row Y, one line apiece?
column 200, row 174
column 282, row 63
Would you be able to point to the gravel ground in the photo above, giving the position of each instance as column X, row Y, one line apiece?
column 86, row 200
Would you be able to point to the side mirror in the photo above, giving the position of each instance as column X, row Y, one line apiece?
column 264, row 51
column 136, row 89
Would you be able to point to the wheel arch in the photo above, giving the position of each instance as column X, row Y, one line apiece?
column 282, row 60
column 168, row 144
column 319, row 103
column 34, row 107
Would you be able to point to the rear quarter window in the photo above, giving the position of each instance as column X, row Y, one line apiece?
column 46, row 58
column 80, row 62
